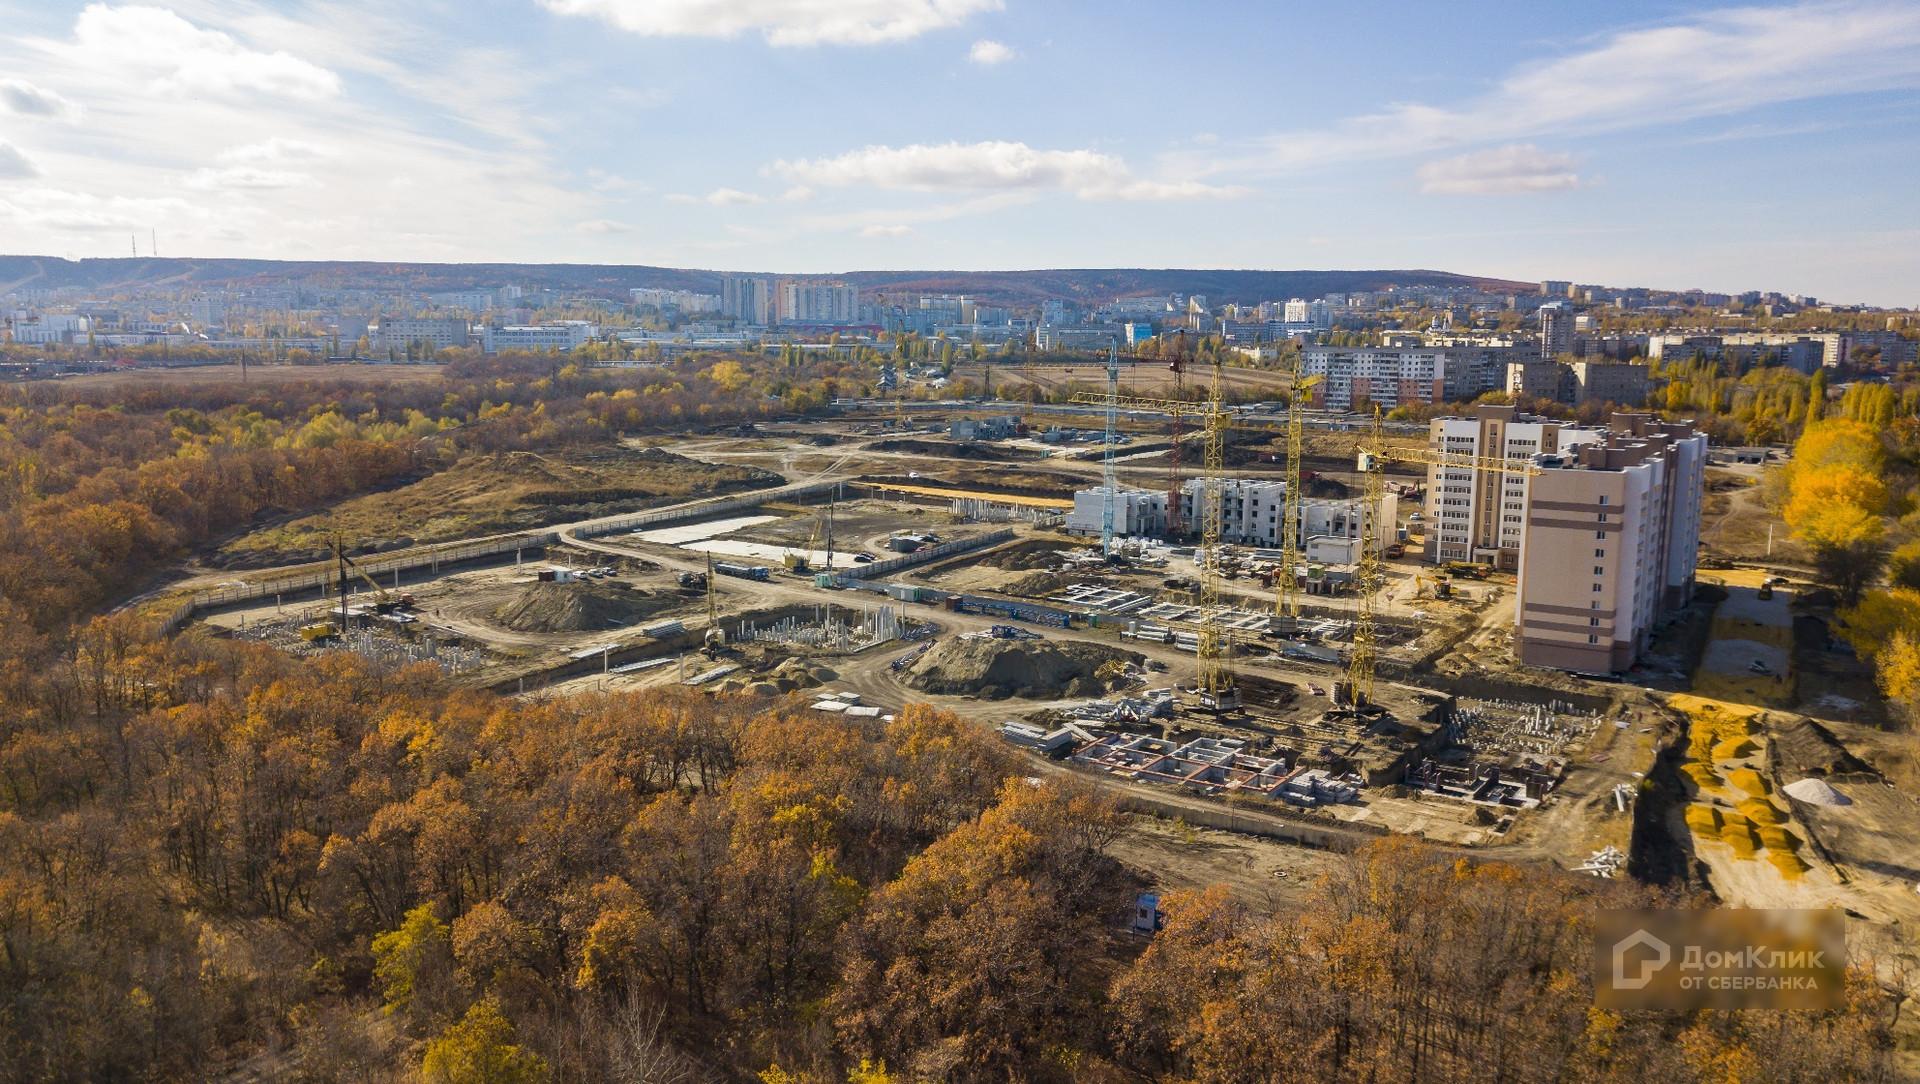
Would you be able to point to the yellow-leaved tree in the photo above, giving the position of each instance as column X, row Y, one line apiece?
column 1835, row 500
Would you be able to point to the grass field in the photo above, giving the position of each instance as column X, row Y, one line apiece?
column 258, row 374
column 494, row 493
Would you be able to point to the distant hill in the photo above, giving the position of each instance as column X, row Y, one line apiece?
column 613, row 280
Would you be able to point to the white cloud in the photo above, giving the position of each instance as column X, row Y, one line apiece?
column 247, row 178
column 604, row 226
column 1719, row 62
column 275, row 149
column 81, row 212
column 990, row 165
column 24, row 99
column 720, row 197
column 1517, row 168
column 14, row 165
column 781, row 22
column 890, row 230
column 176, row 58
column 987, row 52
column 799, row 193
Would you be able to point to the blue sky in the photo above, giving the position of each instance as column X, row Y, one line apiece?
column 1772, row 146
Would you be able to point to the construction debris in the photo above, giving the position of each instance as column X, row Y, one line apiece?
column 1604, row 863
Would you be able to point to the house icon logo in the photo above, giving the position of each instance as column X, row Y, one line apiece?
column 1642, row 954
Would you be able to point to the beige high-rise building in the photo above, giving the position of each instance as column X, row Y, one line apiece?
column 1476, row 514
column 1612, row 529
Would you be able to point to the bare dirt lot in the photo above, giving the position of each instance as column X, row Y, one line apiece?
column 1145, row 378
column 1263, row 874
column 487, row 494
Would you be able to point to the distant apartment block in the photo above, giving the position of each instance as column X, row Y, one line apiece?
column 1622, row 383
column 1554, row 287
column 747, row 299
column 434, row 333
column 1391, row 376
column 805, row 302
column 1612, row 533
column 560, row 336
column 688, row 302
column 1556, row 329
column 1088, row 337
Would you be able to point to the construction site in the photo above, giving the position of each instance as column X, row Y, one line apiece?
column 1225, row 618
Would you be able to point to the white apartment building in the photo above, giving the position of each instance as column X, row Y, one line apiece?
column 435, row 333
column 1476, row 514
column 687, row 301
column 561, row 336
column 803, row 302
column 1250, row 511
column 1389, row 376
column 1611, row 540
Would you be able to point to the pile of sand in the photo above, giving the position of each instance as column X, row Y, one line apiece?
column 588, row 606
column 1816, row 792
column 1035, row 669
column 791, row 675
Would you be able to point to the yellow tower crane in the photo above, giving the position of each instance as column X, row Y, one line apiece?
column 1368, row 573
column 1214, row 683
column 1286, row 599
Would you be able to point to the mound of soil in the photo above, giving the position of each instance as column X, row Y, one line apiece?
column 1807, row 748
column 578, row 607
column 944, row 449
column 1034, row 669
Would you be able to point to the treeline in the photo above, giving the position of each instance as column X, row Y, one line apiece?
column 99, row 489
column 214, row 855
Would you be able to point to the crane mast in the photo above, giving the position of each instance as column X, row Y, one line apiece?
column 1216, row 685
column 1368, row 574
column 1286, row 599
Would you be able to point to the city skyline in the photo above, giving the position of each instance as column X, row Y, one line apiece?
column 1724, row 148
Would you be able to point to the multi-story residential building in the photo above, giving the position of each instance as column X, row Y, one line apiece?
column 747, row 298
column 1554, row 287
column 1250, row 511
column 806, row 302
column 1556, row 330
column 1391, row 376
column 1088, row 337
column 1542, row 379
column 1478, row 514
column 1620, row 383
column 434, row 333
column 1612, row 531
column 687, row 301
column 561, row 336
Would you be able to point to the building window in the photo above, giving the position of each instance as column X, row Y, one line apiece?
column 1599, row 553
column 1603, row 498
column 1598, row 571
column 1594, row 621
column 1599, row 534
column 1593, row 639
column 1596, row 588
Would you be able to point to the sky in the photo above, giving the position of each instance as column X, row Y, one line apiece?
column 1631, row 143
